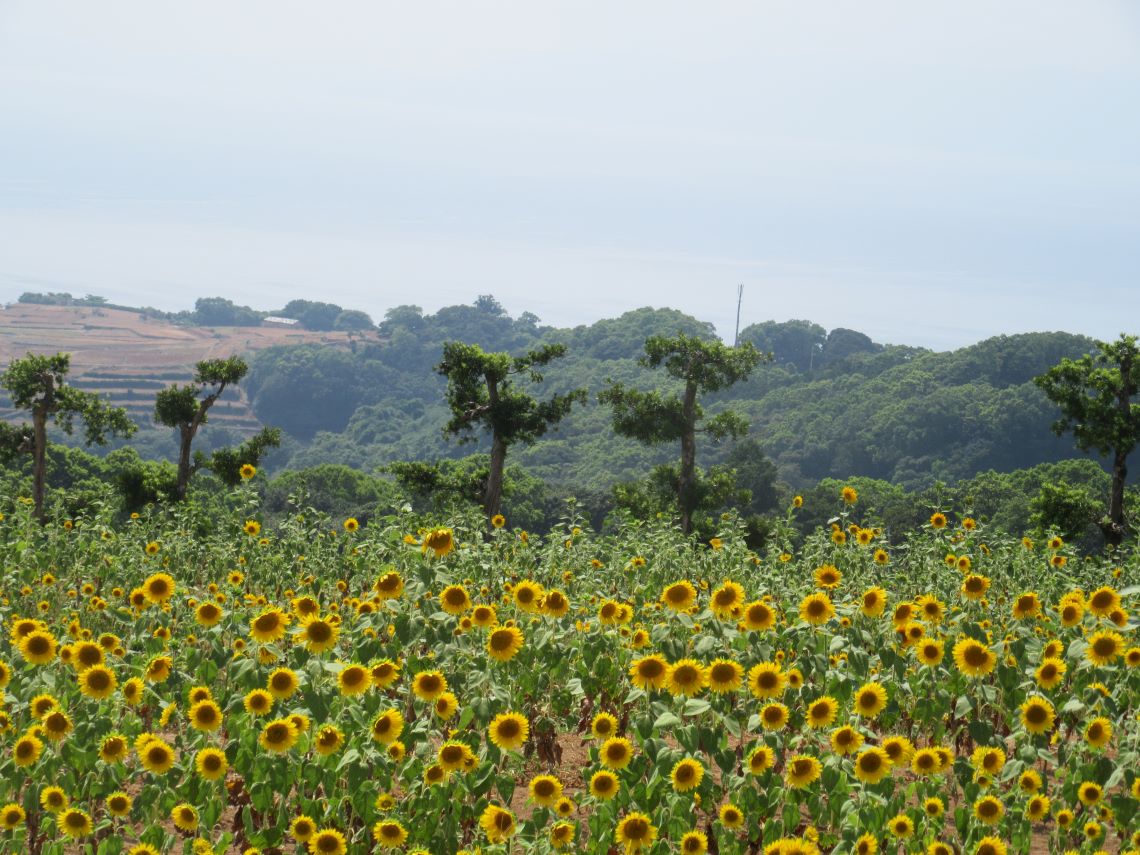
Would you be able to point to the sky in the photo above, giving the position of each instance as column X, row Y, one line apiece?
column 929, row 173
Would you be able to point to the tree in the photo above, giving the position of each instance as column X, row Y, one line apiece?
column 1096, row 394
column 653, row 418
column 185, row 407
column 38, row 383
column 482, row 394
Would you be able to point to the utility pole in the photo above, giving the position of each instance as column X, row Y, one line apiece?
column 739, row 300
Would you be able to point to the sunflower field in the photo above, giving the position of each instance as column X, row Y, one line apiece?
column 184, row 682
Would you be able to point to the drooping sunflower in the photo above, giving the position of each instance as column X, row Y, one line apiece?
column 635, row 832
column 509, row 731
column 766, row 680
column 504, row 642
column 687, row 775
column 679, row 596
column 974, row 658
column 497, row 823
column 724, row 675
column 211, row 764
column 872, row 765
column 801, row 771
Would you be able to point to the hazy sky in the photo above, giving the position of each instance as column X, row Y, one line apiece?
column 927, row 172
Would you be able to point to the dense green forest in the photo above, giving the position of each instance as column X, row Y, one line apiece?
column 915, row 428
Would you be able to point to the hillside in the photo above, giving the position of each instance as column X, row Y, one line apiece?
column 128, row 356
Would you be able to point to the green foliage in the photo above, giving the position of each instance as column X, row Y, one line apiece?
column 220, row 312
column 314, row 315
column 333, row 489
column 226, row 463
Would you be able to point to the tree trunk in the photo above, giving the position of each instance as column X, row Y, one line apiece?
column 39, row 460
column 186, row 438
column 1114, row 531
column 687, row 483
column 493, row 498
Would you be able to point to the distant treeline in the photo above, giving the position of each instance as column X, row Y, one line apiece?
column 221, row 312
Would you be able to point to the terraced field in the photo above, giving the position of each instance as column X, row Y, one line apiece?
column 128, row 356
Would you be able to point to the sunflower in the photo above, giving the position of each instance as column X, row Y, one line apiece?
column 774, row 716
column 387, row 726
column 687, row 775
column 211, row 764
column 269, row 625
column 758, row 616
column 278, row 735
column 604, row 785
column 649, row 672
column 355, row 679
column 97, row 682
column 497, row 823
column 205, row 715
column 1098, row 732
column 938, row 520
column 925, row 761
column 694, row 843
column 1037, row 808
column 446, row 705
column 816, row 609
column 636, row 832
column 849, row 495
column 208, row 614
column 156, row 756
column 1026, row 605
column 54, row 799
column 27, row 750
column 988, row 760
column 351, row 524
column 846, row 740
column 760, row 759
column 872, row 765
column 329, row 740
column 389, row 586
column 454, row 599
column 258, row 702
column 974, row 586
column 545, row 790
column 38, row 647
column 509, row 731
column 686, row 677
column 680, row 596
column 726, row 599
column 867, row 844
column 1090, row 793
column 929, row 652
column 1103, row 601
column 724, row 675
column 75, row 823
column 731, row 816
column 252, row 528
column 158, row 588
column 113, row 748
column 56, row 725
column 440, row 542
column 302, row 828
column 616, row 752
column 317, row 634
column 873, row 602
column 1037, row 715
column 452, row 755
column 384, row 673
column 603, row 726
column 327, row 841
column 870, row 699
column 389, row 834
column 484, row 616
column 901, row 826
column 801, row 771
column 504, row 642
column 828, row 576
column 821, row 712
column 974, row 658
column 766, row 680
column 1104, row 646
column 555, row 604
column 989, row 810
column 933, row 807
